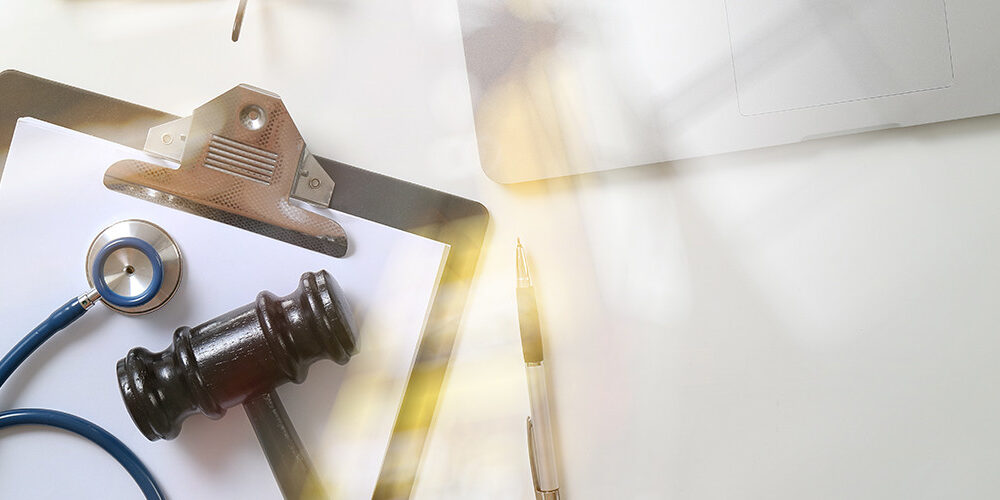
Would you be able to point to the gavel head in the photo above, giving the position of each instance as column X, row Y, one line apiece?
column 237, row 356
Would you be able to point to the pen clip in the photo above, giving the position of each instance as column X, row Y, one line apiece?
column 539, row 493
column 531, row 458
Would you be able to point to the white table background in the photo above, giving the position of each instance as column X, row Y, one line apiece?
column 810, row 321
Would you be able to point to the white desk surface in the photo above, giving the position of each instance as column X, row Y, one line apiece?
column 809, row 321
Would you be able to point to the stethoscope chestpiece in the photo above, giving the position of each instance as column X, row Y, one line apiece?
column 134, row 265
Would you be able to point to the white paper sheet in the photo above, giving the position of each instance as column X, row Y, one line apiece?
column 53, row 203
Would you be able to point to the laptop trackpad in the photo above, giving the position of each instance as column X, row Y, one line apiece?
column 790, row 54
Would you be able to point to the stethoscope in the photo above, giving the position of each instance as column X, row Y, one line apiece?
column 134, row 267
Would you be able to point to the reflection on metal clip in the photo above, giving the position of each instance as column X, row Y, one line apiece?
column 539, row 493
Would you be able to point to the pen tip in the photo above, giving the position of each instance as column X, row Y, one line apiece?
column 523, row 278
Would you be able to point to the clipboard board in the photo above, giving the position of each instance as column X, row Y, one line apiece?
column 398, row 204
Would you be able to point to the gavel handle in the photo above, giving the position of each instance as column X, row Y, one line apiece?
column 285, row 454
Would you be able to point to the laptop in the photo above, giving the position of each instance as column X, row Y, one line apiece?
column 562, row 87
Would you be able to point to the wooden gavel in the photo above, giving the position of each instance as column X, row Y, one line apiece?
column 240, row 358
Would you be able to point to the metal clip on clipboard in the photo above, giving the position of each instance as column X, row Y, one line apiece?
column 241, row 160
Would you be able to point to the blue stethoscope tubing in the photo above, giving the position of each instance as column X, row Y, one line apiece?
column 58, row 320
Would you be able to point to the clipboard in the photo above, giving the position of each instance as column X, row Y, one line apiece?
column 398, row 204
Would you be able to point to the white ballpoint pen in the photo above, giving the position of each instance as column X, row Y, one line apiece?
column 541, row 450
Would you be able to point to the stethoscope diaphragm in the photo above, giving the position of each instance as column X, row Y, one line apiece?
column 134, row 265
